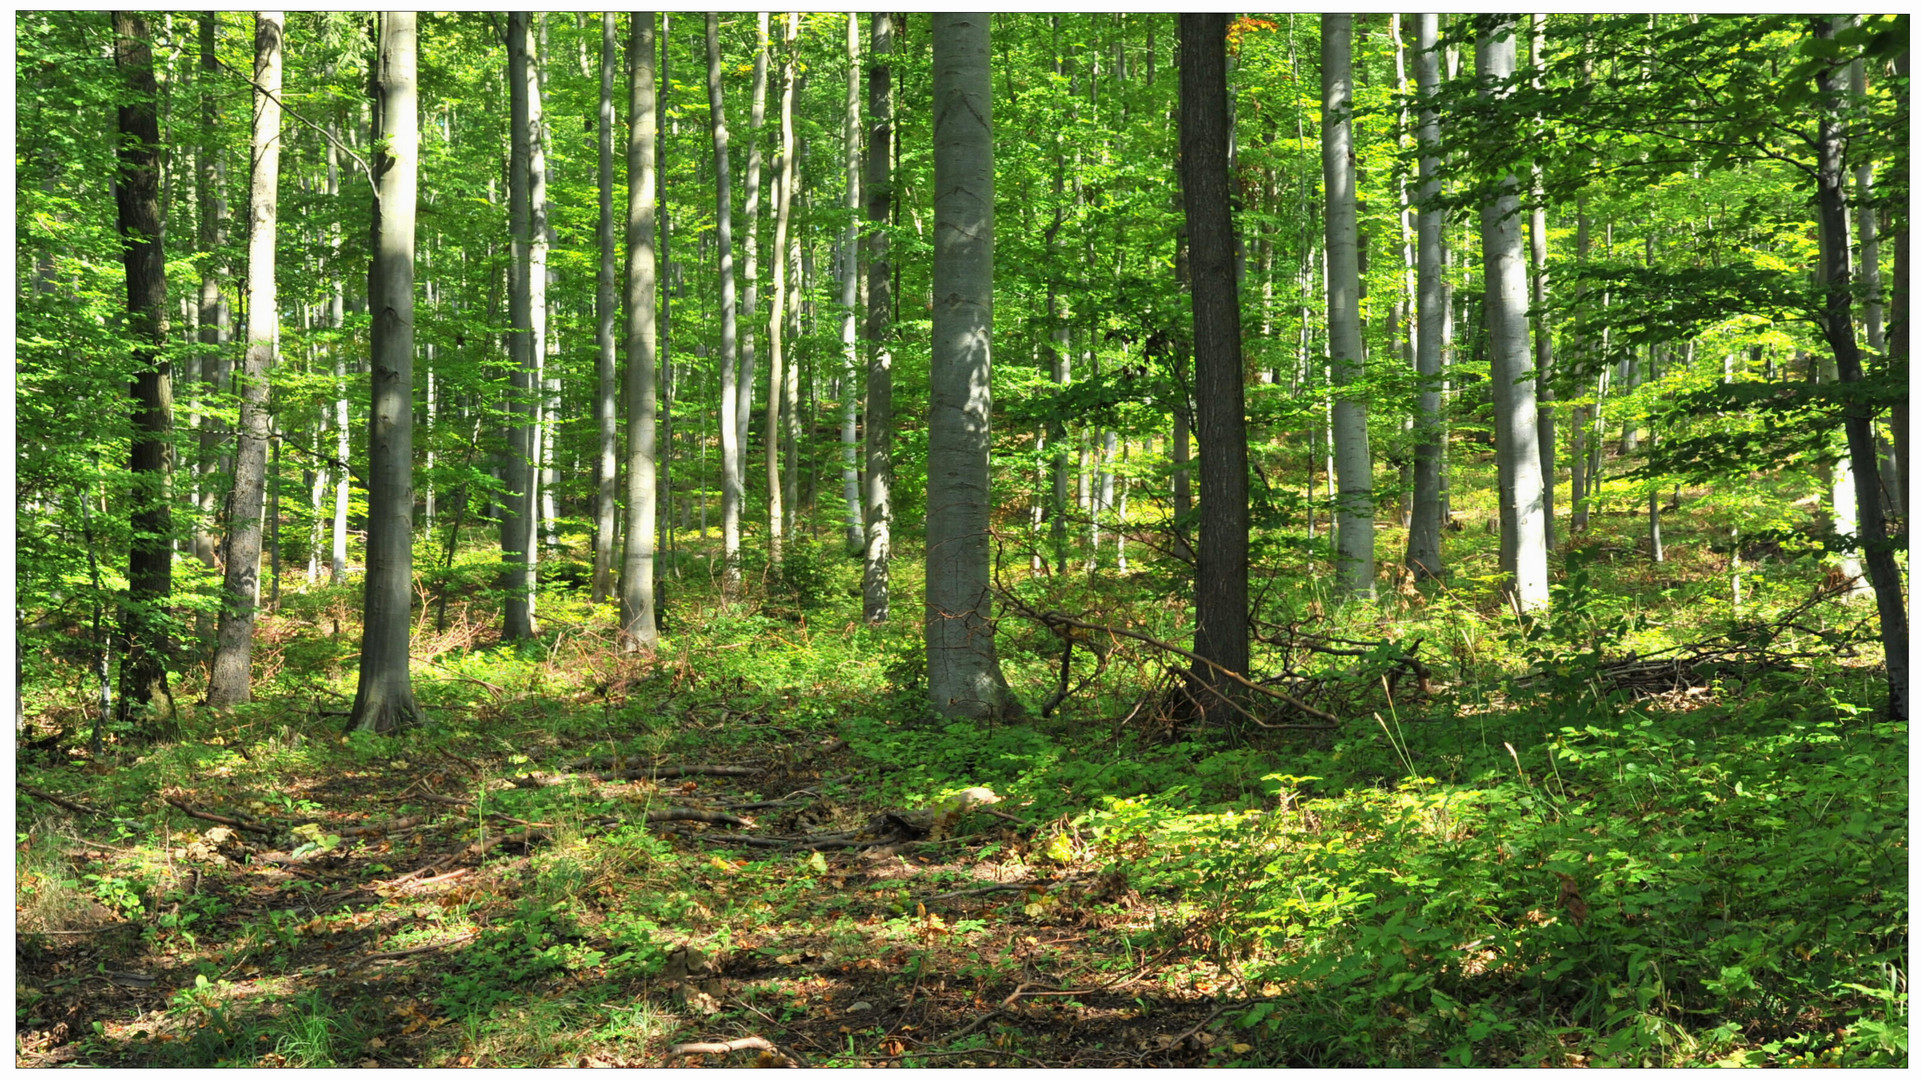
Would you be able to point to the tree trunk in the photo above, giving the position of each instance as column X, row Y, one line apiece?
column 1355, row 503
column 800, row 272
column 1524, row 554
column 540, row 505
column 1221, row 564
column 385, row 698
column 143, row 634
column 230, row 682
column 1425, row 521
column 750, row 319
column 1894, row 466
column 964, row 675
column 1538, row 310
column 731, row 431
column 638, row 620
column 1898, row 339
column 343, row 434
column 215, row 319
column 1578, row 436
column 879, row 510
column 517, row 501
column 1878, row 551
column 607, row 420
column 850, row 295
column 777, row 318
column 663, row 353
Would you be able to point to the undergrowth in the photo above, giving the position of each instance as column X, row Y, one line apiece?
column 1526, row 862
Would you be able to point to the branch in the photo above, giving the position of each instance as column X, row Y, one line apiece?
column 1052, row 619
column 58, row 801
column 233, row 823
column 344, row 148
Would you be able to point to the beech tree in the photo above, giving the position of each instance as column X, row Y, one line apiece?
column 1355, row 502
column 231, row 680
column 1425, row 522
column 385, row 697
column 606, row 415
column 210, row 165
column 637, row 569
column 1524, row 552
column 780, row 413
column 964, row 674
column 878, row 511
column 527, row 287
column 731, row 431
column 851, row 366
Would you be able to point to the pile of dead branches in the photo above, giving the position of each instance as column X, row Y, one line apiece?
column 1683, row 672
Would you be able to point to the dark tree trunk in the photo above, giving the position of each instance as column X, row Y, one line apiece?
column 385, row 698
column 143, row 619
column 1221, row 577
column 1878, row 551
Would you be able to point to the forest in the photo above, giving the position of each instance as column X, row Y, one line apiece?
column 881, row 540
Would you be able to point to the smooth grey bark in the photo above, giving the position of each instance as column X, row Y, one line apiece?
column 343, row 434
column 1354, row 471
column 665, row 276
column 1524, row 552
column 230, row 679
column 778, row 423
column 751, row 305
column 544, row 391
column 731, row 431
column 800, row 274
column 215, row 318
column 1425, row 522
column 517, row 501
column 384, row 700
column 1878, row 551
column 850, row 295
column 964, row 674
column 1578, row 436
column 606, row 418
column 1538, row 307
column 143, row 637
column 878, row 508
column 638, row 623
column 1221, row 563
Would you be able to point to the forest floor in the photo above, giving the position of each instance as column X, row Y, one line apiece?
column 1558, row 846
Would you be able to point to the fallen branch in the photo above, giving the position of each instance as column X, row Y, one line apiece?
column 686, row 813
column 232, row 823
column 657, row 772
column 68, row 804
column 652, row 772
column 751, row 1042
column 398, row 953
column 384, row 827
